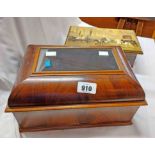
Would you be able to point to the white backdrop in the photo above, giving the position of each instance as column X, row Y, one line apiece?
column 17, row 33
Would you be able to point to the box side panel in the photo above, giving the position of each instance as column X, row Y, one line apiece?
column 131, row 58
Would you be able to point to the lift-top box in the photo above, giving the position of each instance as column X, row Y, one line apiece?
column 61, row 87
column 90, row 36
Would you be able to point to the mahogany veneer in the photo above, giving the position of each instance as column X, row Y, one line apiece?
column 46, row 97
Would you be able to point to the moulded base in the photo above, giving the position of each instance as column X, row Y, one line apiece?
column 74, row 127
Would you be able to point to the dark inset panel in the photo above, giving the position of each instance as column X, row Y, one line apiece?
column 75, row 59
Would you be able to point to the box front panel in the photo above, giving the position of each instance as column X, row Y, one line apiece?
column 72, row 118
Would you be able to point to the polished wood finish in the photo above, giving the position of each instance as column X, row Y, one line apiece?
column 143, row 26
column 49, row 99
column 71, row 118
column 74, row 116
column 33, row 90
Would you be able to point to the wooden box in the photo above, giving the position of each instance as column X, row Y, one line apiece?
column 61, row 87
column 88, row 36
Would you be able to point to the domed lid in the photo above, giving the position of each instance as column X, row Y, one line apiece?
column 60, row 75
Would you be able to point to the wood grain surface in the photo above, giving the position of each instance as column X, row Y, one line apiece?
column 47, row 100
